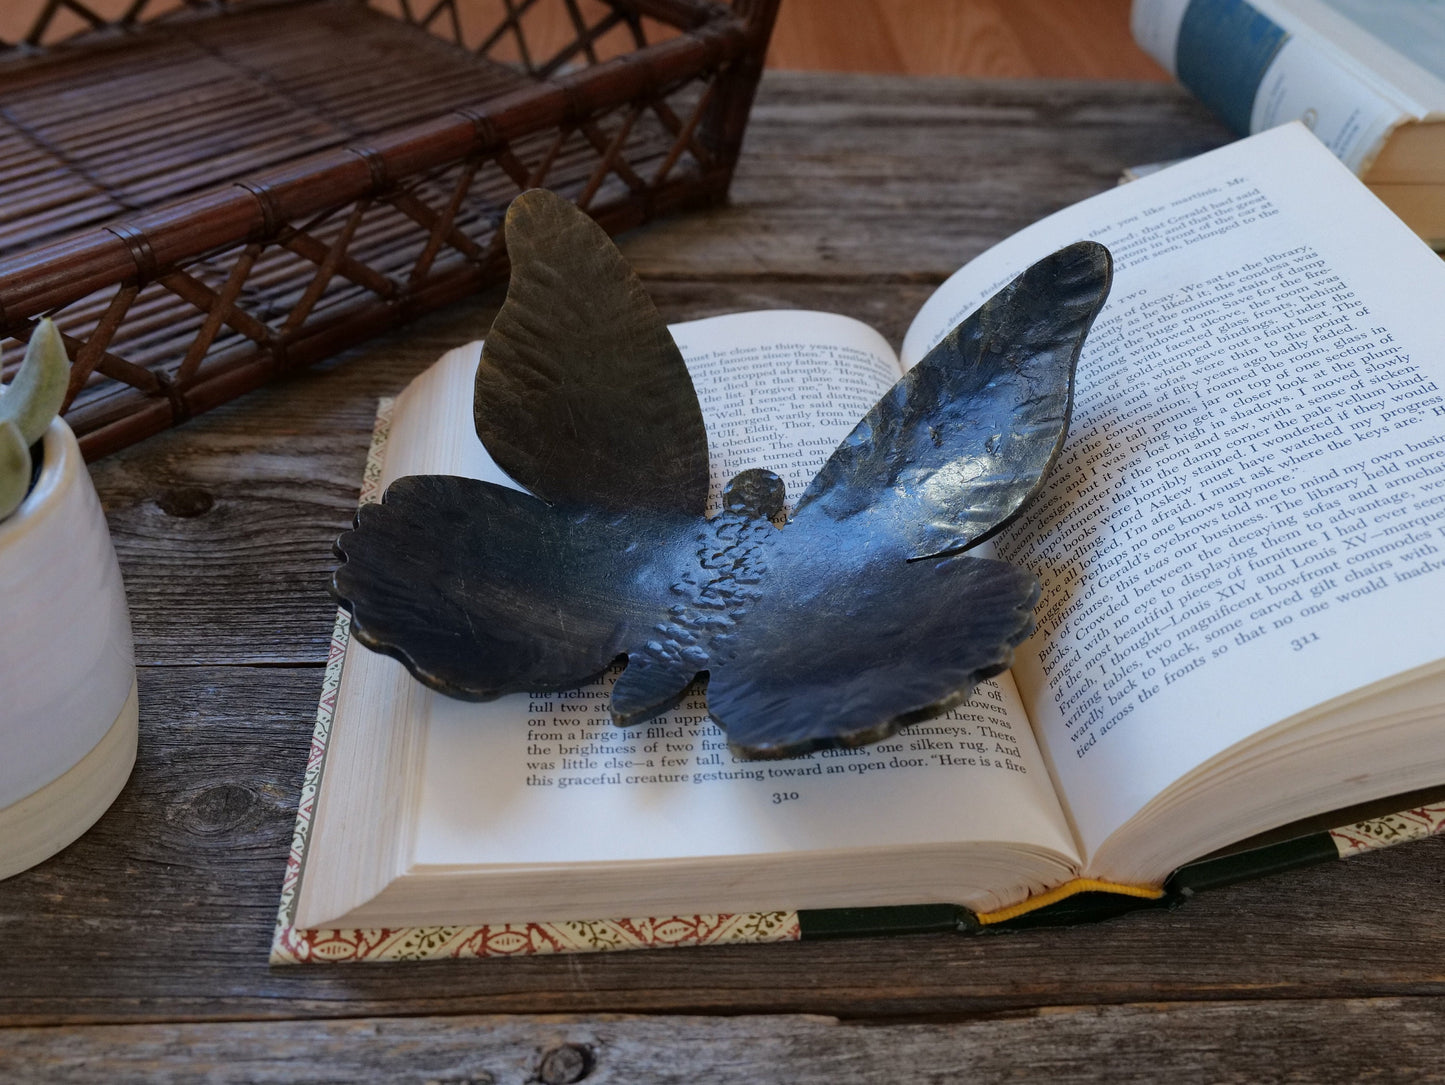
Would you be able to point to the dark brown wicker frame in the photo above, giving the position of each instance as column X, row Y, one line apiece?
column 170, row 312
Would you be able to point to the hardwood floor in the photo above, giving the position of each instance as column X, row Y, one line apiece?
column 1082, row 39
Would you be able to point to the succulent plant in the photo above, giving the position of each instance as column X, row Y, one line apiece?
column 27, row 407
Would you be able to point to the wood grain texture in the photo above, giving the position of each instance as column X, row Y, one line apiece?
column 1241, row 1042
column 1058, row 39
column 162, row 914
column 874, row 178
column 163, row 911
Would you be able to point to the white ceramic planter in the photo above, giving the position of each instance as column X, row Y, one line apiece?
column 68, row 706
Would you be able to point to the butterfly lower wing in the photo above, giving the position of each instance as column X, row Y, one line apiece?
column 964, row 440
column 482, row 590
column 846, row 644
column 581, row 395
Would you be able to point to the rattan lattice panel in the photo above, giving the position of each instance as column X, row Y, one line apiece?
column 207, row 194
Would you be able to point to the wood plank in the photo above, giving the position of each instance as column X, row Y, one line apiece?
column 871, row 178
column 164, row 911
column 1241, row 1042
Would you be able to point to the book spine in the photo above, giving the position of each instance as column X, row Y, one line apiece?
column 1085, row 901
column 821, row 923
column 1341, row 842
column 1257, row 72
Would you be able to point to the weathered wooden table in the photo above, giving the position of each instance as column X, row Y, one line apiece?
column 140, row 952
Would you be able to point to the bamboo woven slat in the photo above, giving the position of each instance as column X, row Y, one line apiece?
column 207, row 193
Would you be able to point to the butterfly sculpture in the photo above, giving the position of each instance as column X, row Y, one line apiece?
column 862, row 614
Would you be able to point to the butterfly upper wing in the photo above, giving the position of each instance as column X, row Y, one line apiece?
column 582, row 395
column 960, row 444
column 583, row 398
column 870, row 617
column 481, row 590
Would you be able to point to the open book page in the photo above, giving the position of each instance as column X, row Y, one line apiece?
column 781, row 388
column 548, row 779
column 1253, row 473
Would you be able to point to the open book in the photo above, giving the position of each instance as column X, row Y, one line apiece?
column 1241, row 561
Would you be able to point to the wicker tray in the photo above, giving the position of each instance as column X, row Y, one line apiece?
column 207, row 194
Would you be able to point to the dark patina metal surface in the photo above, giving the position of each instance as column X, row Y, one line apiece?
column 859, row 616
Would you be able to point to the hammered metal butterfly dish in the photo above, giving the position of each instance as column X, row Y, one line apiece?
column 861, row 614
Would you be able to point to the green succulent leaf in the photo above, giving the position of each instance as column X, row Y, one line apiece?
column 14, row 468
column 35, row 395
